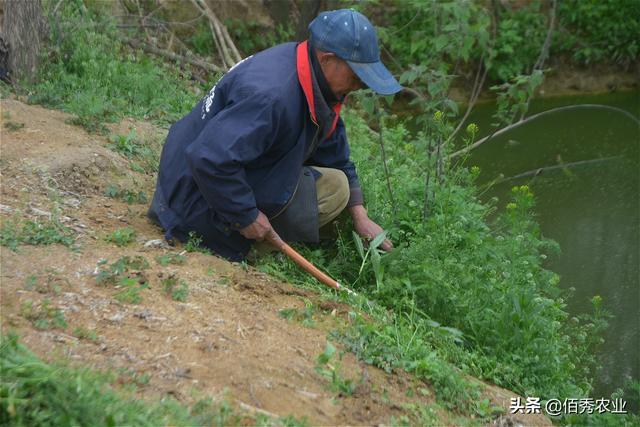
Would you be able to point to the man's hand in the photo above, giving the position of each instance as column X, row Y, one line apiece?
column 366, row 228
column 258, row 229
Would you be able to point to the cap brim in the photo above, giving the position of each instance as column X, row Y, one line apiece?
column 376, row 76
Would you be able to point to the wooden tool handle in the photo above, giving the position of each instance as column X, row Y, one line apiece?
column 283, row 247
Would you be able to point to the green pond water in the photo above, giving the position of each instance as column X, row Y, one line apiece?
column 590, row 206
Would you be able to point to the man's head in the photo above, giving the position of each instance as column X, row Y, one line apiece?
column 349, row 53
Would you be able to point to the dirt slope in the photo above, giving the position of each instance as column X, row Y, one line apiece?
column 228, row 340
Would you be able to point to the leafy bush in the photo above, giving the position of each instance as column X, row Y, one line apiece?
column 595, row 31
column 519, row 39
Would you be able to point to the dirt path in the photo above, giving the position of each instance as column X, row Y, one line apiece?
column 229, row 339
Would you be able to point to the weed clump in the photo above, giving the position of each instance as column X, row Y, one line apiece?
column 122, row 236
column 90, row 73
column 35, row 232
column 125, row 274
column 128, row 196
column 177, row 290
column 167, row 259
column 43, row 315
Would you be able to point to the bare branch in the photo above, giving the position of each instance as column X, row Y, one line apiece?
column 206, row 66
column 536, row 116
column 475, row 92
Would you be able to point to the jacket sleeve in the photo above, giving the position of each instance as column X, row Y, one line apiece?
column 334, row 153
column 235, row 136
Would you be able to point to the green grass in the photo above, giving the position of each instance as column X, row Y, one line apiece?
column 90, row 73
column 33, row 393
column 304, row 316
column 43, row 315
column 194, row 244
column 127, row 276
column 15, row 232
column 177, row 290
column 85, row 334
column 122, row 236
column 329, row 368
column 126, row 195
column 143, row 155
column 167, row 259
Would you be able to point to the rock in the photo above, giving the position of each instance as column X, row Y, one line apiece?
column 156, row 243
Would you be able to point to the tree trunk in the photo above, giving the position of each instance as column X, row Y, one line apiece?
column 23, row 31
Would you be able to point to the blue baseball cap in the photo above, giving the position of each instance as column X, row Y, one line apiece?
column 351, row 37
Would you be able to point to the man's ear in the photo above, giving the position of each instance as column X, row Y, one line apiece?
column 326, row 58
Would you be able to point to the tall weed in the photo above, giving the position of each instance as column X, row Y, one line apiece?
column 90, row 73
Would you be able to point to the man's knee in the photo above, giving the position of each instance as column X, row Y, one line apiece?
column 333, row 193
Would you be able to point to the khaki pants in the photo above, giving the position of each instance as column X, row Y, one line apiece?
column 333, row 193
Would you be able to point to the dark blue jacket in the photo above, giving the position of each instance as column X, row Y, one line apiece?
column 242, row 148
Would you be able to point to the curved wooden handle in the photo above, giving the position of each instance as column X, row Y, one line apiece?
column 283, row 247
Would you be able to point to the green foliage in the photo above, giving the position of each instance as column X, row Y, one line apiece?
column 513, row 97
column 126, row 275
column 519, row 39
column 42, row 315
column 13, row 126
column 331, row 371
column 194, row 244
column 126, row 195
column 593, row 31
column 121, row 236
column 36, row 393
column 167, row 259
column 304, row 316
column 251, row 37
column 144, row 155
column 51, row 231
column 85, row 334
column 177, row 290
column 90, row 73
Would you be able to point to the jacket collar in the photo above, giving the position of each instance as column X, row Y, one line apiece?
column 306, row 80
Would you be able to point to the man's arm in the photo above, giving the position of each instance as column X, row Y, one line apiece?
column 233, row 138
column 334, row 153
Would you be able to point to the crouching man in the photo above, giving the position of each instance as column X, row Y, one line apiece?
column 267, row 150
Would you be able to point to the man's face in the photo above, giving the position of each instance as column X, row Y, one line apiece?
column 341, row 79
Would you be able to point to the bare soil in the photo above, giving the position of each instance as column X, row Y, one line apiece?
column 228, row 340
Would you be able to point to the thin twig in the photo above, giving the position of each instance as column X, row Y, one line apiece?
column 543, row 113
column 386, row 169
column 544, row 52
column 206, row 66
column 475, row 93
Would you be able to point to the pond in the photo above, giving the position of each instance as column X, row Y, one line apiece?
column 583, row 166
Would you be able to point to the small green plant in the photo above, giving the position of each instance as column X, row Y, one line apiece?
column 31, row 282
column 85, row 334
column 125, row 274
column 35, row 232
column 13, row 126
column 144, row 155
column 376, row 256
column 194, row 244
column 167, row 259
column 177, row 290
column 331, row 371
column 130, row 290
column 305, row 316
column 128, row 196
column 122, row 236
column 43, row 315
